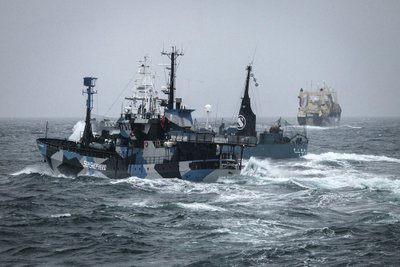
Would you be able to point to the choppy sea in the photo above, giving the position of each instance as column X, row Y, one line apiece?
column 337, row 206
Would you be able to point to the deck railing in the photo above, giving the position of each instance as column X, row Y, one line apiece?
column 216, row 139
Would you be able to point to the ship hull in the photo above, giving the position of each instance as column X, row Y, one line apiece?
column 72, row 163
column 315, row 120
column 276, row 151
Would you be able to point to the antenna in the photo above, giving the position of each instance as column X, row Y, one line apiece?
column 254, row 55
column 207, row 108
column 216, row 114
column 47, row 129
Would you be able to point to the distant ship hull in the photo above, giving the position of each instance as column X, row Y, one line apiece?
column 276, row 151
column 315, row 120
column 281, row 141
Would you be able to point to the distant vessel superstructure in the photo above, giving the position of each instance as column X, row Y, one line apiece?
column 319, row 108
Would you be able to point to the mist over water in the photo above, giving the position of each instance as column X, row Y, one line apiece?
column 338, row 205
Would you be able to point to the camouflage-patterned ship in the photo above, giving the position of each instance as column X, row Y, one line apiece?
column 153, row 138
column 319, row 108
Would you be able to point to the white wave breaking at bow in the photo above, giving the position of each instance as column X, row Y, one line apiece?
column 38, row 169
column 77, row 131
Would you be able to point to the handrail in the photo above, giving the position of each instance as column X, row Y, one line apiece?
column 216, row 139
column 72, row 146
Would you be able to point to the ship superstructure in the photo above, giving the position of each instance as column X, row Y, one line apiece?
column 144, row 100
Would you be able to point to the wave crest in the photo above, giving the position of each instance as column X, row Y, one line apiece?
column 38, row 169
column 350, row 156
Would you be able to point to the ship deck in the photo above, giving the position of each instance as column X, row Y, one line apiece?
column 76, row 147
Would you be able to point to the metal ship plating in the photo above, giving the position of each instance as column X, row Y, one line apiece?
column 280, row 141
column 153, row 138
column 319, row 108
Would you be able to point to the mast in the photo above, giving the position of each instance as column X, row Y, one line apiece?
column 143, row 101
column 247, row 118
column 246, row 89
column 90, row 82
column 173, row 56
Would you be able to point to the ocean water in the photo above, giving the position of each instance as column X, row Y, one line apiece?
column 337, row 206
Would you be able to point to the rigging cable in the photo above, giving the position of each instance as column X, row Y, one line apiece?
column 236, row 110
column 118, row 97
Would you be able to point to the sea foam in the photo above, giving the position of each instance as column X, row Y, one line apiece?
column 41, row 169
column 350, row 156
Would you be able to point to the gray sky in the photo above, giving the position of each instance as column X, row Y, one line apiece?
column 47, row 47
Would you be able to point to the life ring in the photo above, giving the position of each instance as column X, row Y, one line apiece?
column 146, row 144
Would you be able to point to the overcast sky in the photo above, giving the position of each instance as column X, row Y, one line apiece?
column 47, row 47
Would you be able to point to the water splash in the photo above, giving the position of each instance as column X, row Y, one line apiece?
column 34, row 169
column 261, row 168
column 39, row 169
column 77, row 131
